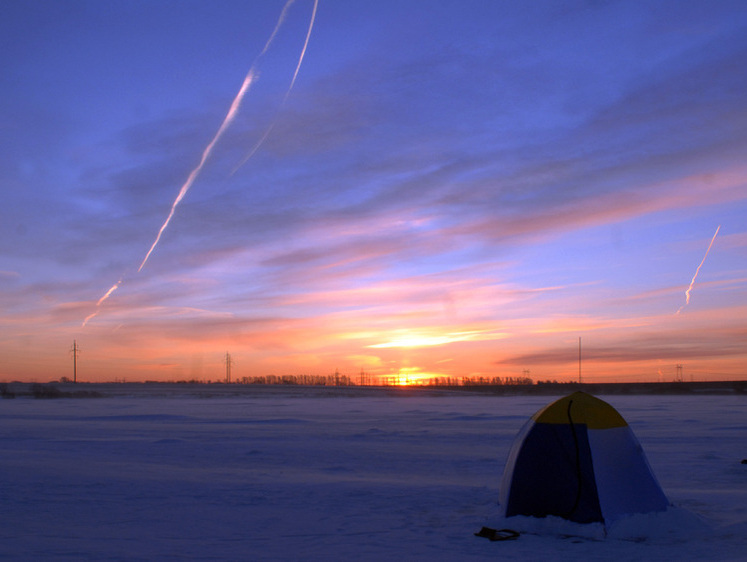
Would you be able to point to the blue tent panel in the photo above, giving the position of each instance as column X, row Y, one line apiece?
column 553, row 475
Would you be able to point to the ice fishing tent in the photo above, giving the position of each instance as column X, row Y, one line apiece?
column 578, row 459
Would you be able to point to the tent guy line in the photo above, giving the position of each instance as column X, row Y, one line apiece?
column 249, row 79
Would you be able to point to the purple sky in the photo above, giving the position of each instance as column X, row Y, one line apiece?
column 456, row 188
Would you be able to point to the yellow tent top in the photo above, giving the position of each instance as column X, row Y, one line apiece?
column 580, row 408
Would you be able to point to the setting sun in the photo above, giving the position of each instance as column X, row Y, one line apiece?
column 413, row 376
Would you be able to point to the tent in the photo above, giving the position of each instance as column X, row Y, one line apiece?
column 578, row 459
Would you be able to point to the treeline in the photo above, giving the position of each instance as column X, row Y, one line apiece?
column 365, row 379
column 307, row 380
column 38, row 390
column 496, row 381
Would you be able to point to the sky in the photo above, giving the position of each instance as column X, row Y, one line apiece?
column 457, row 189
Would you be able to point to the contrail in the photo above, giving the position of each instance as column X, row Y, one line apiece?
column 281, row 19
column 692, row 282
column 102, row 299
column 205, row 154
column 305, row 44
column 266, row 134
column 255, row 148
column 230, row 116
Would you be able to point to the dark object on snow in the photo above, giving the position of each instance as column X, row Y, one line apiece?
column 497, row 534
column 4, row 392
column 578, row 459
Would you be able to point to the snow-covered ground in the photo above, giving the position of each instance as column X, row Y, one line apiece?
column 313, row 474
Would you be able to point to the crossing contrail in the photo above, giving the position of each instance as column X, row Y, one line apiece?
column 692, row 282
column 227, row 120
column 266, row 134
column 305, row 45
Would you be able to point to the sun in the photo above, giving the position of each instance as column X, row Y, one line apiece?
column 412, row 376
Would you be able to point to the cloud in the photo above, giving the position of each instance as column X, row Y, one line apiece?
column 438, row 161
column 709, row 335
column 667, row 349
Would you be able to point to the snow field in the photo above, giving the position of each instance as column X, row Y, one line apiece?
column 305, row 475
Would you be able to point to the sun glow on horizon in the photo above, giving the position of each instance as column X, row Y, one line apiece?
column 408, row 338
column 413, row 376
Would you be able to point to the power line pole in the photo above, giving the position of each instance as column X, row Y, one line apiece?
column 228, row 367
column 75, row 350
column 579, row 360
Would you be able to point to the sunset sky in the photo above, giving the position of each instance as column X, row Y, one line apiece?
column 453, row 188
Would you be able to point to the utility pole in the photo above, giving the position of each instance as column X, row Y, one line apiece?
column 75, row 350
column 579, row 360
column 228, row 367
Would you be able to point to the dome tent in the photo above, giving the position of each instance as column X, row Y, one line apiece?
column 578, row 459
